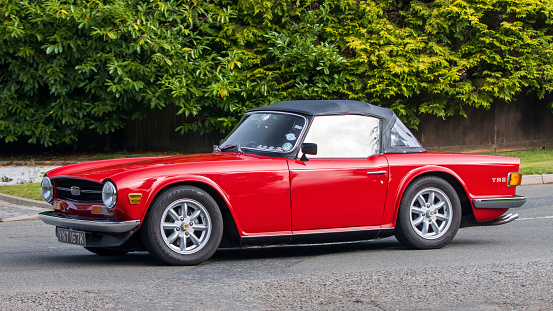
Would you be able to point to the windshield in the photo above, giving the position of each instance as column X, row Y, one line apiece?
column 264, row 131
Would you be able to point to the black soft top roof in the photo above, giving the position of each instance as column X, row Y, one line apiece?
column 332, row 107
column 328, row 107
column 345, row 107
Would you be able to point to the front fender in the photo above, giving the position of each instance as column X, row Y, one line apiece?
column 156, row 185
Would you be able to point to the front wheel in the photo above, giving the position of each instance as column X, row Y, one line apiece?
column 183, row 226
column 429, row 214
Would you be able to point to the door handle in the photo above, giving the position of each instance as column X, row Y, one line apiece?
column 376, row 173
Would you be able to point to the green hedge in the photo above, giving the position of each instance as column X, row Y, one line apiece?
column 67, row 66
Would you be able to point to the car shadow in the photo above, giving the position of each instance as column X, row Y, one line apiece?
column 298, row 251
column 227, row 255
column 82, row 257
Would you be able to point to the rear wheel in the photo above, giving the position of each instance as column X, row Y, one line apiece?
column 183, row 226
column 429, row 214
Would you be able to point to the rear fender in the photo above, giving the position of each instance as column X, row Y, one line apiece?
column 390, row 214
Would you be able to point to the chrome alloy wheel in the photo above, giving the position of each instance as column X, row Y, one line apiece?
column 185, row 226
column 431, row 213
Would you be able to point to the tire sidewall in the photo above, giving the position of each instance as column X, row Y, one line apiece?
column 152, row 235
column 405, row 232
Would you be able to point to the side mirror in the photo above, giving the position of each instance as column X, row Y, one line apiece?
column 308, row 148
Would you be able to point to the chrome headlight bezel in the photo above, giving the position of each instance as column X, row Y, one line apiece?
column 47, row 189
column 109, row 194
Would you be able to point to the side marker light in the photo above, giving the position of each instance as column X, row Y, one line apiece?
column 135, row 198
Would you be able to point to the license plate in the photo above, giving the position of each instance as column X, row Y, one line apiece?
column 71, row 236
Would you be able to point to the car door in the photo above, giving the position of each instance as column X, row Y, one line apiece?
column 345, row 184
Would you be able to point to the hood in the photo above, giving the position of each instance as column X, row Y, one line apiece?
column 100, row 170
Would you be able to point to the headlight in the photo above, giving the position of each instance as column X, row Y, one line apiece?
column 47, row 189
column 109, row 194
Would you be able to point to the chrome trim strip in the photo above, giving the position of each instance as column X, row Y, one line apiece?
column 310, row 231
column 376, row 173
column 107, row 226
column 501, row 202
column 82, row 191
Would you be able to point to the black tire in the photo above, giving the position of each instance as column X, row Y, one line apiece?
column 441, row 221
column 192, row 226
column 102, row 251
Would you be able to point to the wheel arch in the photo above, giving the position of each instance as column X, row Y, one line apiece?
column 452, row 179
column 231, row 237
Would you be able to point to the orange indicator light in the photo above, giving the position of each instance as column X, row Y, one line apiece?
column 60, row 206
column 97, row 209
column 515, row 179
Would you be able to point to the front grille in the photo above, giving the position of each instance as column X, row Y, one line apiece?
column 84, row 191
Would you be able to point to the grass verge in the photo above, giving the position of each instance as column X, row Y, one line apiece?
column 532, row 162
column 27, row 191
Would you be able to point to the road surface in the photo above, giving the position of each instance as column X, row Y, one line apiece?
column 507, row 267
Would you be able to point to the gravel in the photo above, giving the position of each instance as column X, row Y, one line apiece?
column 19, row 174
column 517, row 286
column 64, row 300
column 492, row 287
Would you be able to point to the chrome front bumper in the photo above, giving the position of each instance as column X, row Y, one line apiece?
column 502, row 202
column 104, row 226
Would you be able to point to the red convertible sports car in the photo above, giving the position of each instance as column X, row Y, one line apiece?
column 291, row 172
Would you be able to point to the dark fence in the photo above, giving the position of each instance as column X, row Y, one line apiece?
column 523, row 124
column 157, row 133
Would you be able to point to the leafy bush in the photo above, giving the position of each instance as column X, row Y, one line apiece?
column 71, row 65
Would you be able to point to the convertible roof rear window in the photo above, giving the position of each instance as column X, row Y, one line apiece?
column 402, row 137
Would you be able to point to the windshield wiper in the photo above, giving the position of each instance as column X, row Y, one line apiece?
column 226, row 147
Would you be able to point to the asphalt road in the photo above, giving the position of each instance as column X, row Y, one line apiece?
column 507, row 267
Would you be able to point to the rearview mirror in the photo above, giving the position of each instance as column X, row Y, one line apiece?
column 308, row 148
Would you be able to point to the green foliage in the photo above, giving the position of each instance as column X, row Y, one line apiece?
column 71, row 65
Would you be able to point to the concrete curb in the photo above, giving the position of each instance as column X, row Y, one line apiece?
column 537, row 179
column 22, row 201
column 19, row 218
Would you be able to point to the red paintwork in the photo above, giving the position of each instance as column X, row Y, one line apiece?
column 473, row 172
column 272, row 196
column 334, row 194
